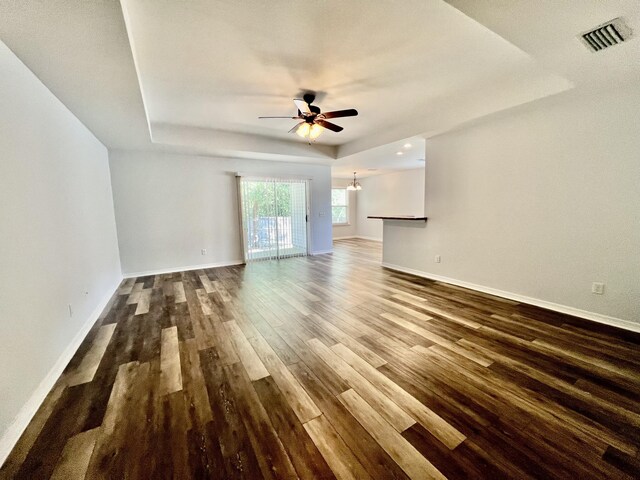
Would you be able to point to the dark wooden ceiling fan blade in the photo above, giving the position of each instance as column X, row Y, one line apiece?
column 295, row 127
column 302, row 105
column 294, row 118
column 329, row 126
column 352, row 112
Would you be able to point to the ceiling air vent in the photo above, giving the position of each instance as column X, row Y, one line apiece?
column 606, row 35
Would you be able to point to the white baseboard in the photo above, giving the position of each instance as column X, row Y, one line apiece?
column 183, row 269
column 373, row 239
column 31, row 406
column 576, row 312
column 321, row 252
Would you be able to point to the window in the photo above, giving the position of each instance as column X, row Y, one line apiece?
column 339, row 206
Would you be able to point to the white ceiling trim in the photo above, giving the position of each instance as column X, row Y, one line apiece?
column 134, row 55
column 205, row 141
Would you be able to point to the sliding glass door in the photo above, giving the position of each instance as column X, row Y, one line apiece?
column 274, row 217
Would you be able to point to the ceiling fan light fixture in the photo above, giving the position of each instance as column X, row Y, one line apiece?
column 312, row 120
column 303, row 130
column 354, row 185
column 315, row 131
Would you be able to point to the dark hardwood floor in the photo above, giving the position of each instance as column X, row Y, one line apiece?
column 331, row 366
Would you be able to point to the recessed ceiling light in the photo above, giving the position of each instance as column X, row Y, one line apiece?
column 399, row 153
column 407, row 145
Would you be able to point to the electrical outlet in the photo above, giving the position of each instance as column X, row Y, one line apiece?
column 597, row 288
column 321, row 214
column 437, row 259
column 203, row 251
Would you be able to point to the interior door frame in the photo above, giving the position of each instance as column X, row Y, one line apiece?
column 307, row 192
column 240, row 224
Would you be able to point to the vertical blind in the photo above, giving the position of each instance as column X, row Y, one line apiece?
column 274, row 217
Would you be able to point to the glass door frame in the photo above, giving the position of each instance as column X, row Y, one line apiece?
column 274, row 178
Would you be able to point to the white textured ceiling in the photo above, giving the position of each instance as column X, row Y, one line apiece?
column 205, row 70
column 80, row 51
column 220, row 65
column 551, row 35
column 403, row 154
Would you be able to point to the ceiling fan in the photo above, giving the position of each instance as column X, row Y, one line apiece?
column 313, row 121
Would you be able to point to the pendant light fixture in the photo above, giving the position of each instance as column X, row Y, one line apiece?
column 355, row 185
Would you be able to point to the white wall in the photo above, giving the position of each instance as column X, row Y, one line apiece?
column 398, row 193
column 540, row 202
column 58, row 241
column 170, row 206
column 342, row 231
